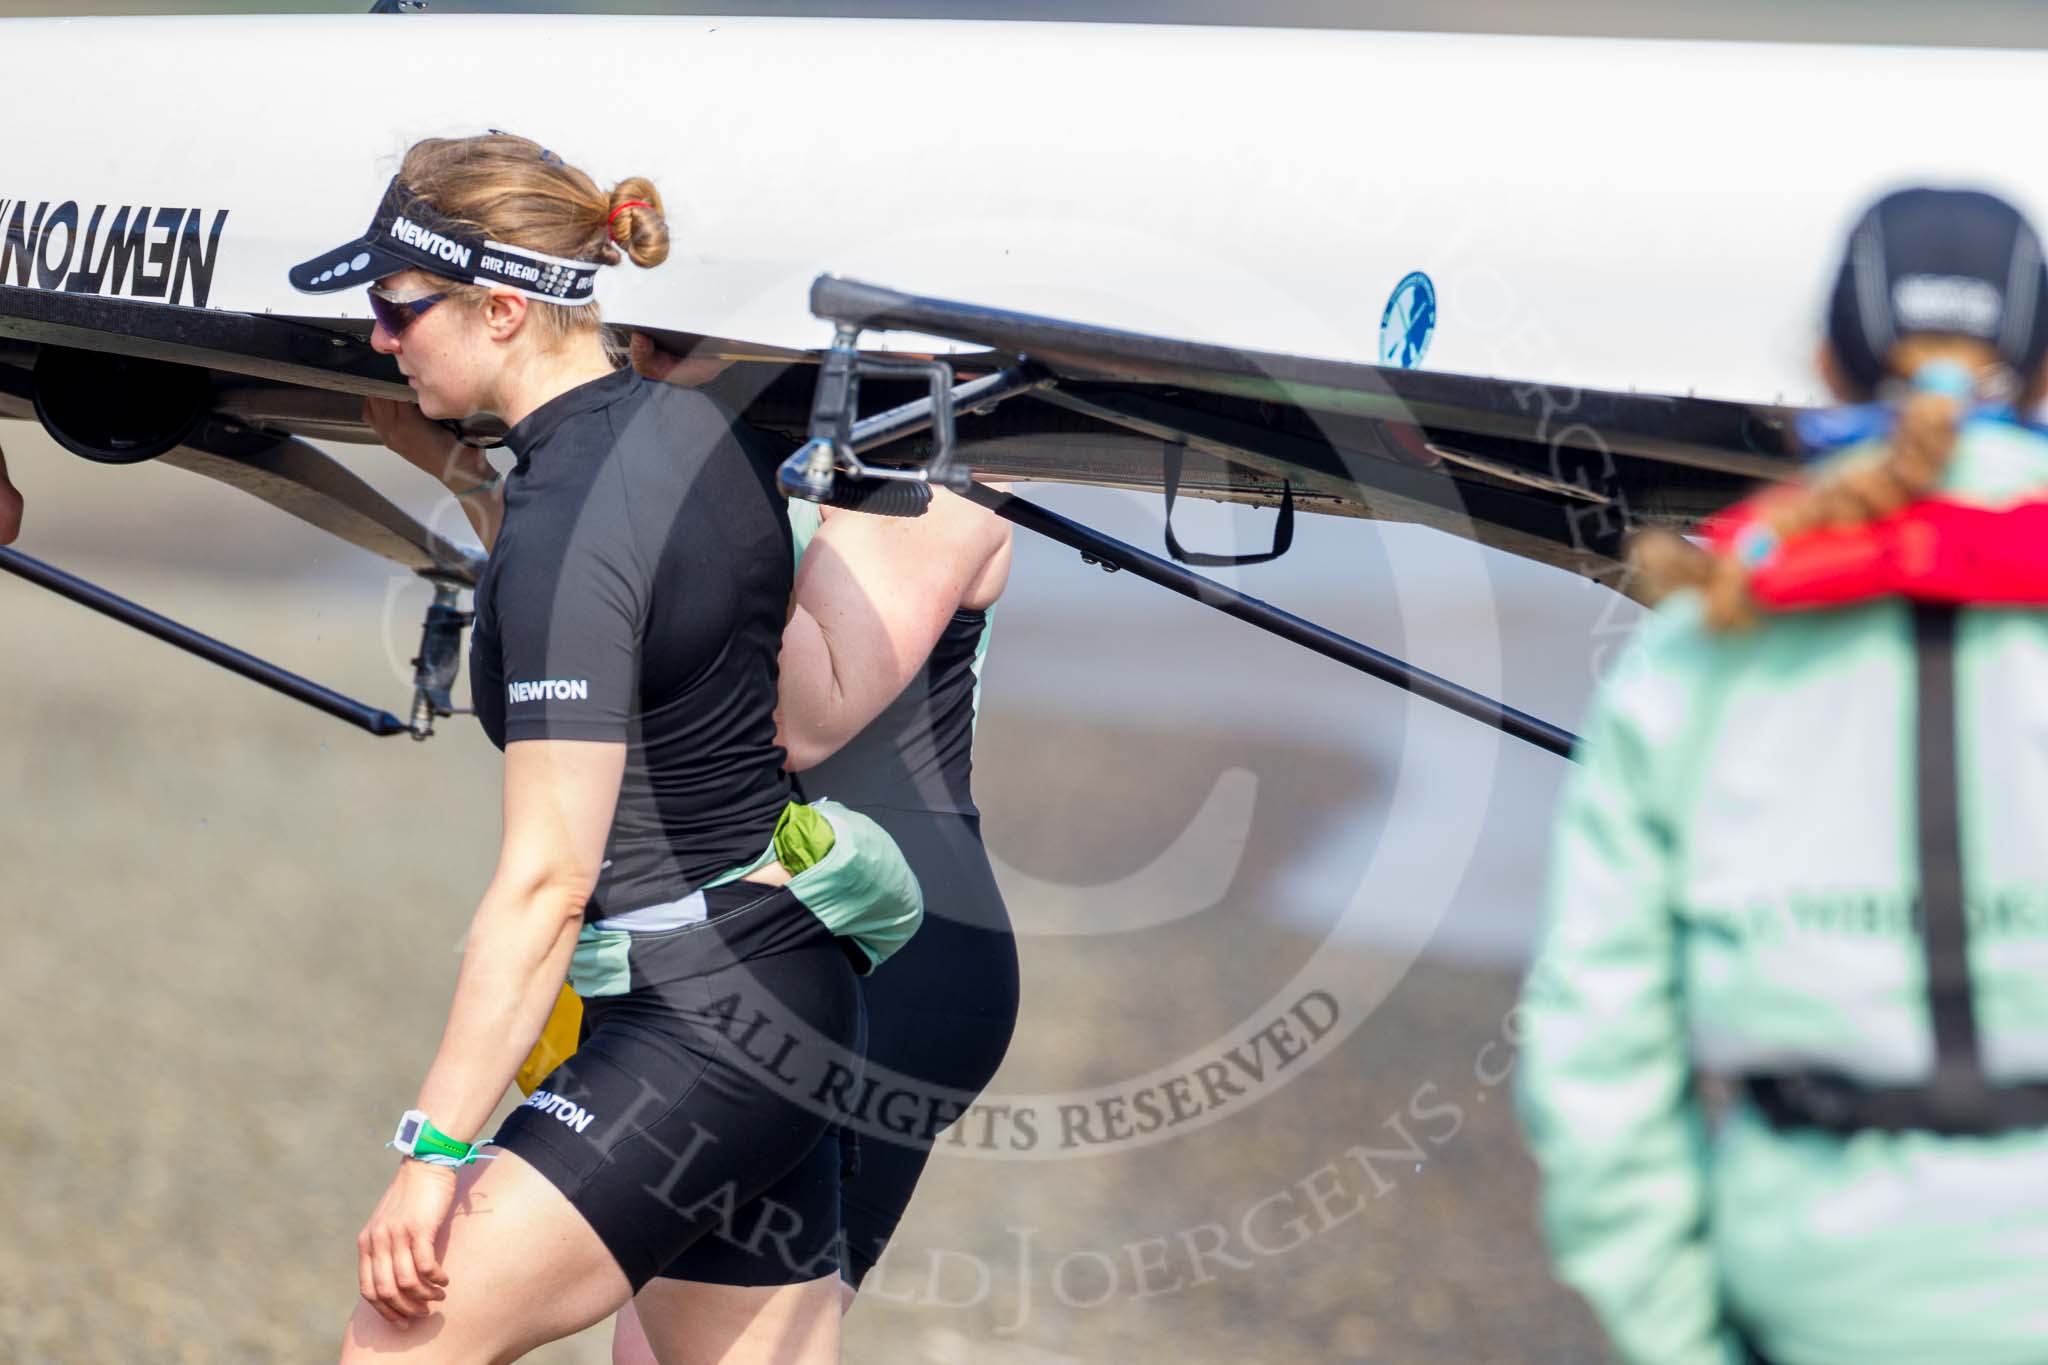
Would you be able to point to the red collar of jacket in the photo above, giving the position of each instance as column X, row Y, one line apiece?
column 1934, row 550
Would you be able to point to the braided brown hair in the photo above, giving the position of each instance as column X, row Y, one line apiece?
column 1850, row 492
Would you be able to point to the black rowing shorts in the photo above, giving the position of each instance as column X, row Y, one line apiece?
column 703, row 1102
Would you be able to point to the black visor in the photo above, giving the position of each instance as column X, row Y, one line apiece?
column 409, row 234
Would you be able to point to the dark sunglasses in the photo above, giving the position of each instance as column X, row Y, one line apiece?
column 398, row 314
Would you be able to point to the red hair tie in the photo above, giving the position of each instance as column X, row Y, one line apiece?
column 629, row 204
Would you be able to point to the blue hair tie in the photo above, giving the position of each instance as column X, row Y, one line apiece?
column 1754, row 544
column 1951, row 378
column 1823, row 431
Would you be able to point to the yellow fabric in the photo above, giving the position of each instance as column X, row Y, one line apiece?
column 557, row 1043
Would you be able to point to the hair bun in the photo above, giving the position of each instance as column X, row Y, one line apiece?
column 636, row 221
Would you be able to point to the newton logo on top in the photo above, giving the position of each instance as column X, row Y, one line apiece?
column 1408, row 322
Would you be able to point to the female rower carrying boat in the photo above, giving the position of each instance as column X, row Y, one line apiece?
column 880, row 671
column 1802, row 851
column 625, row 658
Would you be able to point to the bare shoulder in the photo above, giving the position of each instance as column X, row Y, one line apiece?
column 970, row 521
column 970, row 543
column 950, row 524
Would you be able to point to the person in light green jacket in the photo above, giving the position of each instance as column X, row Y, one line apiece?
column 1807, row 852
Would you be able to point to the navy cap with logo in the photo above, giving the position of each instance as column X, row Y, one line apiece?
column 1958, row 262
column 409, row 233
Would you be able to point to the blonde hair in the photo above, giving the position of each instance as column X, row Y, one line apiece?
column 1849, row 492
column 515, row 191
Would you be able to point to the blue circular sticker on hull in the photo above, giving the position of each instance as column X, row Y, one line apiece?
column 1409, row 322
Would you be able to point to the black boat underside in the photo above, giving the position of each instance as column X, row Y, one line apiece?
column 1558, row 475
column 1553, row 474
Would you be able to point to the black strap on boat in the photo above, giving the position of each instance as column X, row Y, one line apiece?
column 1283, row 530
column 1957, row 1100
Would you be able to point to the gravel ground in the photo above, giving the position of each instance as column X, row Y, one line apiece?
column 232, row 930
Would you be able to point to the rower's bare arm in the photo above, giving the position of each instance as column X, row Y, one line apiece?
column 872, row 597
column 427, row 446
column 559, row 799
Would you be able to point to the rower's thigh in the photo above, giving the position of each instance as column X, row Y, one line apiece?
column 523, row 1267
column 687, row 1323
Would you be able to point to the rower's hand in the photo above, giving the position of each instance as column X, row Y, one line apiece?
column 10, row 515
column 397, row 1270
column 424, row 443
column 10, row 505
column 685, row 371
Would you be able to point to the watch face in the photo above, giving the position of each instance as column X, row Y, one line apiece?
column 408, row 1131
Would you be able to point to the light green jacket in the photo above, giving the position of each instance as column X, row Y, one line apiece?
column 1732, row 892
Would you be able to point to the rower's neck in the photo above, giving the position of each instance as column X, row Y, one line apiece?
column 546, row 375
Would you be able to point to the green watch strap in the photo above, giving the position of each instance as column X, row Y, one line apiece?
column 433, row 1142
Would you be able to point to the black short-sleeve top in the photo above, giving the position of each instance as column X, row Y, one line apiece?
column 637, row 593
